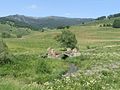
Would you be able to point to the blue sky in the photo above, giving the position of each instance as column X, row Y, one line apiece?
column 67, row 8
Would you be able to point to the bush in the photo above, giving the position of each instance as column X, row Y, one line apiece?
column 4, row 55
column 19, row 36
column 5, row 35
column 116, row 23
column 61, row 27
column 67, row 27
column 88, row 47
column 67, row 39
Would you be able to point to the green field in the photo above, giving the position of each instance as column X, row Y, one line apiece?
column 98, row 66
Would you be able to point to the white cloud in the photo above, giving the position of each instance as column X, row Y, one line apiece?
column 67, row 14
column 33, row 6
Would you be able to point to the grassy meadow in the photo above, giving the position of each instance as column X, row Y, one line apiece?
column 98, row 65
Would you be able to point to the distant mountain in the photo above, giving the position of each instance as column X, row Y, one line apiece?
column 42, row 22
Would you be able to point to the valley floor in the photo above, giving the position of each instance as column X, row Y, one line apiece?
column 97, row 68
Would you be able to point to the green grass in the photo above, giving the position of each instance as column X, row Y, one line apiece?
column 103, row 53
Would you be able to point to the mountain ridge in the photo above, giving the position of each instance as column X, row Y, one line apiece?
column 48, row 22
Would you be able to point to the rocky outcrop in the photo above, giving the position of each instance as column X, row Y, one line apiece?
column 51, row 53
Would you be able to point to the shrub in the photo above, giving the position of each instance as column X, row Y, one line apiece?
column 5, row 35
column 88, row 47
column 19, row 36
column 116, row 23
column 67, row 27
column 104, row 25
column 67, row 39
column 42, row 30
column 100, row 26
column 4, row 55
column 61, row 27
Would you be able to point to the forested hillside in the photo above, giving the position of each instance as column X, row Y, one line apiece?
column 42, row 22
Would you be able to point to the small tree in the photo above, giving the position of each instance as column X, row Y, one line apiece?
column 67, row 39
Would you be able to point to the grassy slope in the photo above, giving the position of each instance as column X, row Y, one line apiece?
column 86, row 36
column 101, row 22
column 104, row 50
column 13, row 30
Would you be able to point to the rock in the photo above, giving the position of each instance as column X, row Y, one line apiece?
column 72, row 53
column 51, row 53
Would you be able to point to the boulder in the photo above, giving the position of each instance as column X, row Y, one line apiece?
column 51, row 53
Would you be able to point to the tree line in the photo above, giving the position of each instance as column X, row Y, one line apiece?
column 108, row 17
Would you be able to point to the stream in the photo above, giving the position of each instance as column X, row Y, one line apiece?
column 72, row 69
